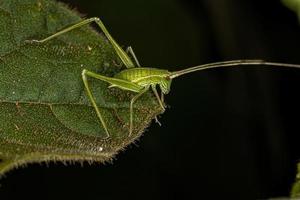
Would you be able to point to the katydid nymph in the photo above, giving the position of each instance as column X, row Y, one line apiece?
column 139, row 79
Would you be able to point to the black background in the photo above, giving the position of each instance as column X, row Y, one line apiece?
column 228, row 133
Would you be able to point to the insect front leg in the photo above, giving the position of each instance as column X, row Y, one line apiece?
column 162, row 98
column 160, row 101
column 131, row 107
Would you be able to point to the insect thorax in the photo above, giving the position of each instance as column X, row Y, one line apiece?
column 147, row 77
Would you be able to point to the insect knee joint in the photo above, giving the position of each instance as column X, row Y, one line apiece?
column 83, row 74
column 96, row 19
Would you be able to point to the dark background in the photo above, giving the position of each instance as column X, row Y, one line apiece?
column 228, row 133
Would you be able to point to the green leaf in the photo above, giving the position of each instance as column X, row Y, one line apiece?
column 294, row 5
column 45, row 114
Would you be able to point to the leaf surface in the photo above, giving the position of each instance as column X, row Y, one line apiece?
column 45, row 114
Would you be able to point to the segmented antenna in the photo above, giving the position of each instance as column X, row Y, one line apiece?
column 229, row 64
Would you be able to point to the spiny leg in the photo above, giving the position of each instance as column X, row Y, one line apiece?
column 160, row 101
column 158, row 98
column 131, row 107
column 162, row 97
column 130, row 50
column 92, row 99
column 121, row 53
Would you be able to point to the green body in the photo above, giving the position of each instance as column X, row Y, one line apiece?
column 133, row 79
column 139, row 79
column 145, row 77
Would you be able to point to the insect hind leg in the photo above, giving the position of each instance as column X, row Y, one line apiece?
column 92, row 99
column 130, row 51
column 121, row 53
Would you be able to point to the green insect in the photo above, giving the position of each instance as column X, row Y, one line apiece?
column 139, row 79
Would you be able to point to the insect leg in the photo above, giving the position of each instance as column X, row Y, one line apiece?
column 131, row 107
column 160, row 101
column 121, row 53
column 162, row 97
column 92, row 99
column 130, row 50
column 158, row 98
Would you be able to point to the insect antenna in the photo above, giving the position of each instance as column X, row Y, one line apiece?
column 229, row 64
